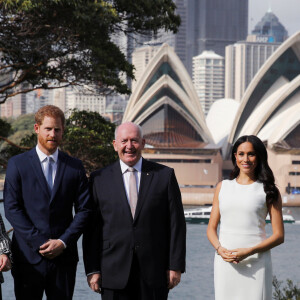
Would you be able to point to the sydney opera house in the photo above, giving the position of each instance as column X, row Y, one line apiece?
column 165, row 104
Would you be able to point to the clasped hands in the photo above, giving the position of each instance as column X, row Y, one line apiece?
column 234, row 255
column 5, row 264
column 52, row 248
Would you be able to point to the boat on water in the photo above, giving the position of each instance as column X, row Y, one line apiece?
column 286, row 219
column 198, row 215
column 201, row 215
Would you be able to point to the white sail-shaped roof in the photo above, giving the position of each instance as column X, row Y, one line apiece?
column 166, row 82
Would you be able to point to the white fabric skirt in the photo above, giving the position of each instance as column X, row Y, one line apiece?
column 250, row 279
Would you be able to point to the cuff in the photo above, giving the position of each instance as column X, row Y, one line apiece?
column 63, row 243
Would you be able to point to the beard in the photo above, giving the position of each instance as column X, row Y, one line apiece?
column 50, row 147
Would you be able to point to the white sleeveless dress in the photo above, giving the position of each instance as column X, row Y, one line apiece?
column 243, row 212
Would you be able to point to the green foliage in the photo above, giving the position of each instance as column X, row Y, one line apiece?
column 57, row 43
column 289, row 292
column 15, row 132
column 20, row 128
column 5, row 128
column 89, row 136
column 23, row 122
column 7, row 152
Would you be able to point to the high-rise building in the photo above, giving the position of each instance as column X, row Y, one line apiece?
column 242, row 61
column 208, row 78
column 218, row 23
column 244, row 58
column 206, row 25
column 81, row 99
column 14, row 106
column 269, row 29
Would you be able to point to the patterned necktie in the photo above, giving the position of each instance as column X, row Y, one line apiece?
column 49, row 173
column 133, row 194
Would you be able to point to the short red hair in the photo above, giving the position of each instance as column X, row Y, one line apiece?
column 49, row 111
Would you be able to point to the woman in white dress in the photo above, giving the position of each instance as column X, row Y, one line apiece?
column 243, row 267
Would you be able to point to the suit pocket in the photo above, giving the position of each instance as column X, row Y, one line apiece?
column 105, row 244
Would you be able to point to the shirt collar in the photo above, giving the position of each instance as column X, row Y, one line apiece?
column 42, row 155
column 137, row 166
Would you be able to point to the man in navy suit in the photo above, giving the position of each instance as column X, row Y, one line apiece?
column 42, row 186
column 135, row 247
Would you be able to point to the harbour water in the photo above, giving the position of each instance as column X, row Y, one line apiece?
column 197, row 282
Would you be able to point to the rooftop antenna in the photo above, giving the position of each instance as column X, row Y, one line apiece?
column 270, row 6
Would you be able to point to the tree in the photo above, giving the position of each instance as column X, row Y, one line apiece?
column 5, row 128
column 57, row 43
column 21, row 127
column 87, row 136
column 8, row 142
column 288, row 292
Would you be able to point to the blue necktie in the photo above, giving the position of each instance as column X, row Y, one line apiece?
column 49, row 173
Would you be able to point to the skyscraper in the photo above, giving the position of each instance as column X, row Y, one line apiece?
column 208, row 78
column 269, row 29
column 218, row 23
column 242, row 60
column 207, row 25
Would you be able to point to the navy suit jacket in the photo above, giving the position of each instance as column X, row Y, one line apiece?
column 36, row 215
column 157, row 234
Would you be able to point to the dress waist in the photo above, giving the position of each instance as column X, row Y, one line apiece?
column 238, row 239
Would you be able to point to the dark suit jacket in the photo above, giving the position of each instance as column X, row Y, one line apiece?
column 36, row 215
column 156, row 235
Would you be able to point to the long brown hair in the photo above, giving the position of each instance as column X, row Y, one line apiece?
column 263, row 172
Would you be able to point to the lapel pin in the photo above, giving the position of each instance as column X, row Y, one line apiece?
column 147, row 173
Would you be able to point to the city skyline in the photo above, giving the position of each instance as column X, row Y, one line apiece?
column 287, row 12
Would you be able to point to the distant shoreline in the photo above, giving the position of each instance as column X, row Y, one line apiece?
column 205, row 198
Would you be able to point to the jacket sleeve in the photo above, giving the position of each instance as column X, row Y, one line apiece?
column 14, row 210
column 177, row 227
column 91, row 242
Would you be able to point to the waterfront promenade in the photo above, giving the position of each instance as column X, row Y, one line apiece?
column 204, row 196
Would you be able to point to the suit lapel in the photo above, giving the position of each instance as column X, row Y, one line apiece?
column 61, row 165
column 37, row 170
column 146, row 178
column 118, row 183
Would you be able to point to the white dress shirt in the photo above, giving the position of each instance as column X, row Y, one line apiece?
column 126, row 175
column 43, row 160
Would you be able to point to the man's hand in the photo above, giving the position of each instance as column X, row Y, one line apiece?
column 173, row 278
column 52, row 249
column 5, row 264
column 94, row 282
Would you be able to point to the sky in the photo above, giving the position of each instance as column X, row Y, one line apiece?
column 287, row 11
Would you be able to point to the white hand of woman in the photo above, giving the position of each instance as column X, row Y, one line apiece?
column 5, row 264
column 226, row 254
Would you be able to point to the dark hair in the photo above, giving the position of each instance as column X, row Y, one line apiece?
column 263, row 172
column 49, row 111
